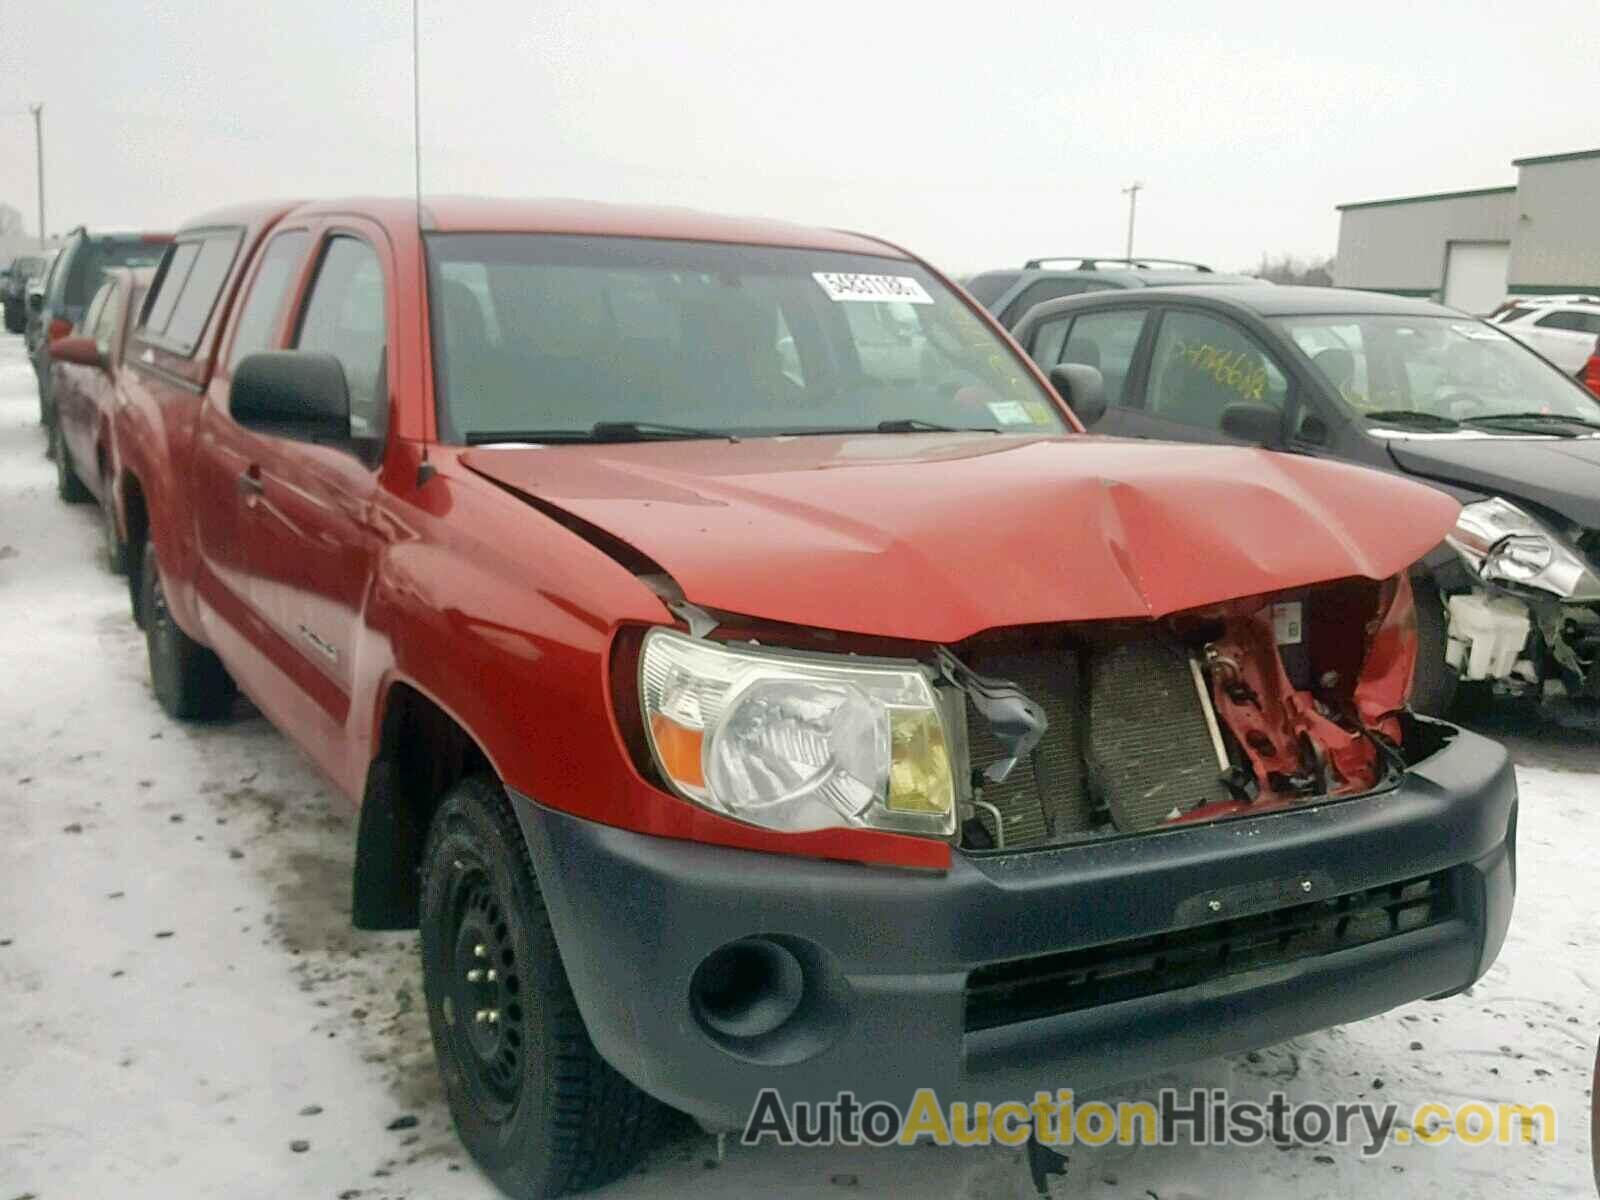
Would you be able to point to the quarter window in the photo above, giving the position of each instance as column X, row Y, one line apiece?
column 259, row 316
column 187, row 289
column 1201, row 365
column 344, row 317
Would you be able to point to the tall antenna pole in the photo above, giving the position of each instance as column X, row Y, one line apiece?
column 1132, row 193
column 416, row 107
column 38, row 153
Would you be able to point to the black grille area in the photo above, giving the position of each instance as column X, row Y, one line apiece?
column 1047, row 795
column 1006, row 993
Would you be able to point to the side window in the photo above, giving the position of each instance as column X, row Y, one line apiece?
column 186, row 291
column 258, row 317
column 104, row 328
column 1573, row 321
column 91, row 317
column 344, row 317
column 1106, row 340
column 1202, row 364
column 1047, row 342
column 170, row 278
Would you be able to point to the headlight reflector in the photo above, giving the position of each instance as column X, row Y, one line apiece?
column 798, row 742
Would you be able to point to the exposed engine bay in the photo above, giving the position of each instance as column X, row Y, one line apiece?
column 1242, row 707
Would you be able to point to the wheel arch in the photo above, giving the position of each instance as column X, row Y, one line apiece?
column 421, row 752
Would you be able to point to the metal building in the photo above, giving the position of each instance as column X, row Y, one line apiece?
column 1472, row 249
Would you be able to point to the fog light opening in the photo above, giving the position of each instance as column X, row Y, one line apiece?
column 748, row 989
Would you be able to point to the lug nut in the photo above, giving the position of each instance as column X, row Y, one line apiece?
column 1214, row 905
column 475, row 975
column 1305, row 885
column 488, row 1016
column 480, row 951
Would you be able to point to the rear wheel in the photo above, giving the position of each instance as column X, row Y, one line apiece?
column 533, row 1102
column 189, row 680
column 68, row 486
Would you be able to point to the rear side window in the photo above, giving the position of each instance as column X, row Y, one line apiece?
column 186, row 290
column 986, row 289
column 1576, row 322
column 280, row 262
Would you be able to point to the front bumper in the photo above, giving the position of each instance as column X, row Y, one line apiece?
column 635, row 916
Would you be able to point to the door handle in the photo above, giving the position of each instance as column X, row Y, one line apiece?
column 250, row 484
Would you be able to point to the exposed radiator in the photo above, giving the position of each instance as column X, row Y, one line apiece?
column 1128, row 734
column 1045, row 798
column 1149, row 747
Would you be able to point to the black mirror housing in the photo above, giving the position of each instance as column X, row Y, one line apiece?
column 36, row 303
column 1083, row 388
column 1259, row 424
column 296, row 394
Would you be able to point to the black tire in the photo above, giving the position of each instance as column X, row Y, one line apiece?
column 533, row 1102
column 116, row 549
column 68, row 486
column 189, row 680
column 1434, row 681
column 16, row 319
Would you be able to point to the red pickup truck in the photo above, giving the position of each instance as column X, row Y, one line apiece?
column 751, row 677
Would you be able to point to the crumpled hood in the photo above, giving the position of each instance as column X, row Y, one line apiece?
column 938, row 537
column 1562, row 474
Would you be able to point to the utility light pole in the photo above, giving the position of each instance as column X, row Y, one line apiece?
column 1132, row 193
column 38, row 153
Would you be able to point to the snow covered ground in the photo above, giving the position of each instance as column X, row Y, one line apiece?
column 185, row 1012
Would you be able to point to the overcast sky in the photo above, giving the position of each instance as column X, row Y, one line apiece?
column 975, row 134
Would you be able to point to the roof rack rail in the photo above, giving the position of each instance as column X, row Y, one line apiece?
column 1092, row 262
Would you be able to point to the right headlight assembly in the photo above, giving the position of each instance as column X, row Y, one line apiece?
column 798, row 742
column 1503, row 544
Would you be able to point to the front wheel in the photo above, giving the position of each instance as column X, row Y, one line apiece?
column 533, row 1102
column 1434, row 681
column 116, row 549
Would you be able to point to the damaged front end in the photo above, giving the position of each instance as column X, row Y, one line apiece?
column 1529, row 617
column 1232, row 710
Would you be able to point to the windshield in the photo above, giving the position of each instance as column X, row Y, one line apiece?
column 540, row 334
column 1443, row 368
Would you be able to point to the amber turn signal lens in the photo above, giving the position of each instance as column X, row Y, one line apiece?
column 679, row 750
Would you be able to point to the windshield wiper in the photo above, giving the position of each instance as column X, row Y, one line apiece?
column 600, row 431
column 638, row 431
column 1409, row 416
column 1531, row 418
column 918, row 425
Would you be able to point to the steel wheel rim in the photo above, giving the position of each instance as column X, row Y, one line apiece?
column 482, row 992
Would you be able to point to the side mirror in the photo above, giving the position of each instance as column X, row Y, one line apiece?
column 1260, row 424
column 1083, row 388
column 84, row 351
column 36, row 303
column 296, row 394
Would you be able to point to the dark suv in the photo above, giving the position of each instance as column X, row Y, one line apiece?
column 14, row 286
column 74, row 279
column 1511, row 600
column 1010, row 294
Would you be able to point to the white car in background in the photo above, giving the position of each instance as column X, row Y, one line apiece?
column 1562, row 328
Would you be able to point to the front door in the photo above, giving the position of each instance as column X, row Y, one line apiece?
column 311, row 543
